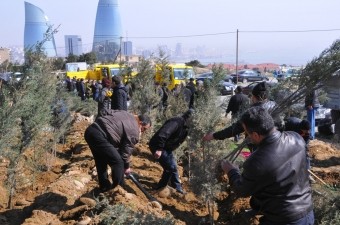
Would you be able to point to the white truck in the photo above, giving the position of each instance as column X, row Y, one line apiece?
column 76, row 66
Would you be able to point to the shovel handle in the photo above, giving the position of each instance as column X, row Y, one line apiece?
column 134, row 180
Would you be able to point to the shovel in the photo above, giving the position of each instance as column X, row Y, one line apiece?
column 152, row 199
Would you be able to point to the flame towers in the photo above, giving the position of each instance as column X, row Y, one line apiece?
column 107, row 31
column 36, row 25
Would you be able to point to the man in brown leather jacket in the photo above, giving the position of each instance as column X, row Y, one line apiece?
column 112, row 138
column 275, row 175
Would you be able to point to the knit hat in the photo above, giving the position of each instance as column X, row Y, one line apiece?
column 106, row 82
column 304, row 125
column 261, row 90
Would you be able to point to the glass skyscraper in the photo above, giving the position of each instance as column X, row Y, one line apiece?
column 73, row 45
column 107, row 31
column 36, row 25
column 127, row 48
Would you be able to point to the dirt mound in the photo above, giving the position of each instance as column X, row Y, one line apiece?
column 68, row 192
column 325, row 162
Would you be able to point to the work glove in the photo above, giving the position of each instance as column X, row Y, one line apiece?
column 108, row 93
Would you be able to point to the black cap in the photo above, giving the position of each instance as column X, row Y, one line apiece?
column 238, row 89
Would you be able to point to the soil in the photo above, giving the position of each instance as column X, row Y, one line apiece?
column 67, row 192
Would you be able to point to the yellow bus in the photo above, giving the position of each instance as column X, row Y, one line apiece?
column 101, row 71
column 174, row 74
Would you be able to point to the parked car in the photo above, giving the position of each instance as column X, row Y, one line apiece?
column 289, row 74
column 248, row 89
column 209, row 75
column 245, row 76
column 322, row 113
column 228, row 78
column 226, row 88
column 204, row 76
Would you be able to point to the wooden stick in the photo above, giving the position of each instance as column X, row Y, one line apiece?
column 317, row 177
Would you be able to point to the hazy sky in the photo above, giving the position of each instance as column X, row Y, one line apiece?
column 209, row 24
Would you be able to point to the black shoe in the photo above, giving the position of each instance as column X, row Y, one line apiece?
column 105, row 189
column 180, row 190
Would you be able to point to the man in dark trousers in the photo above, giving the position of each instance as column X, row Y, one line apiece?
column 312, row 104
column 238, row 103
column 111, row 139
column 275, row 175
column 192, row 88
column 120, row 95
column 259, row 97
column 167, row 139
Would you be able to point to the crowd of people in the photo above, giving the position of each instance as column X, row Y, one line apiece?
column 275, row 175
column 114, row 94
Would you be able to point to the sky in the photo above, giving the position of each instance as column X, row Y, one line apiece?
column 313, row 26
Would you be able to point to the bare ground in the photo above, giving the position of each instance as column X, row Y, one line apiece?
column 67, row 193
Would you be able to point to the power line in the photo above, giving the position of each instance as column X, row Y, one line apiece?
column 183, row 36
column 288, row 31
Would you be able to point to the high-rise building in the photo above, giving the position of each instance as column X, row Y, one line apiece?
column 107, row 31
column 127, row 48
column 73, row 45
column 36, row 25
column 178, row 51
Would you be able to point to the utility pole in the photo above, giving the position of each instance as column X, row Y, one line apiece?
column 120, row 50
column 236, row 56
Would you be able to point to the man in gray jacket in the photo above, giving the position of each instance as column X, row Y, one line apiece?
column 112, row 138
column 275, row 175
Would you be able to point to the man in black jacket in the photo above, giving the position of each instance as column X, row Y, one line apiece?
column 238, row 103
column 275, row 175
column 192, row 88
column 167, row 139
column 120, row 95
column 259, row 97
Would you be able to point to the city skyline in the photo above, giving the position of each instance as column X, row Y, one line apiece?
column 287, row 32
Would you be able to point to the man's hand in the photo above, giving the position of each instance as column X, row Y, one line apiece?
column 157, row 154
column 227, row 166
column 127, row 171
column 208, row 137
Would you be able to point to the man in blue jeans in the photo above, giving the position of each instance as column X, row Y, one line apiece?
column 167, row 139
column 312, row 104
